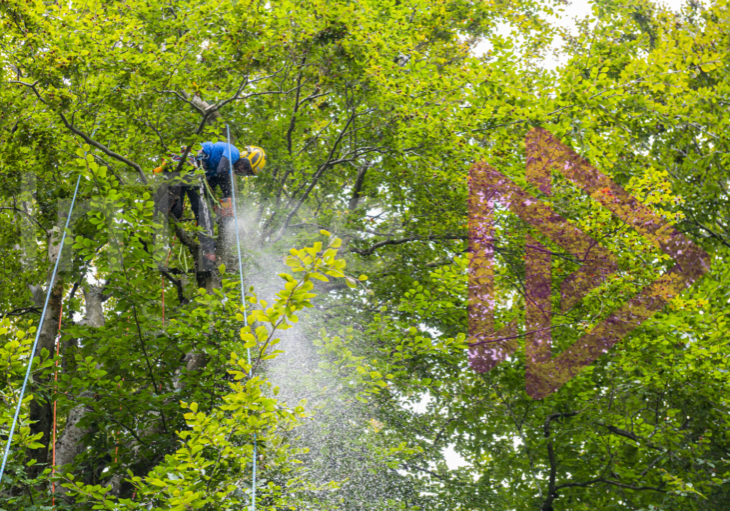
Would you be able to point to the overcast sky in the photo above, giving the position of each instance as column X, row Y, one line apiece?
column 577, row 9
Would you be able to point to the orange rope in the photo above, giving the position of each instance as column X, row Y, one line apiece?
column 55, row 385
column 116, row 433
column 162, row 280
column 58, row 345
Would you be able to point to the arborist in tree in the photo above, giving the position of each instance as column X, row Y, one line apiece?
column 213, row 159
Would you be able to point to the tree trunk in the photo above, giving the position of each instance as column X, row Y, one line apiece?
column 69, row 444
column 193, row 361
column 94, row 312
column 225, row 248
column 41, row 408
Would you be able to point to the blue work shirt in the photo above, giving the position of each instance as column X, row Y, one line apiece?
column 216, row 152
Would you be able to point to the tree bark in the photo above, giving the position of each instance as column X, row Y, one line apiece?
column 41, row 408
column 204, row 105
column 69, row 444
column 357, row 188
column 194, row 361
column 207, row 280
column 94, row 312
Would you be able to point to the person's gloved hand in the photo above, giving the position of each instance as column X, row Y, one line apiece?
column 226, row 208
column 209, row 261
column 160, row 168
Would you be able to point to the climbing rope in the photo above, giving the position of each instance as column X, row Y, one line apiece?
column 243, row 299
column 38, row 333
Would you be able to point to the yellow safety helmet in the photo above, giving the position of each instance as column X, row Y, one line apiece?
column 256, row 157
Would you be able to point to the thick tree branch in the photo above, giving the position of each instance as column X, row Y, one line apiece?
column 357, row 188
column 178, row 285
column 552, row 490
column 41, row 410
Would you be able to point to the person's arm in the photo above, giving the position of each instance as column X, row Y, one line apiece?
column 223, row 177
column 223, row 180
column 224, row 168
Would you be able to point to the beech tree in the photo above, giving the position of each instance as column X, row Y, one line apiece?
column 371, row 114
column 155, row 403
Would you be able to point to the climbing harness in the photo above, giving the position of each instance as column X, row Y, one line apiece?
column 38, row 333
column 243, row 301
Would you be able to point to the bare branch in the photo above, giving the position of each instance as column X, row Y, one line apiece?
column 21, row 311
column 293, row 120
column 84, row 136
column 631, row 436
column 372, row 249
column 612, row 483
column 315, row 178
column 195, row 104
column 552, row 490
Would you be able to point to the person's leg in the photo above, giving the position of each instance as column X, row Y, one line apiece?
column 169, row 198
column 225, row 218
column 204, row 218
column 223, row 180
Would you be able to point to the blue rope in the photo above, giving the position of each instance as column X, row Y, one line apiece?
column 243, row 297
column 38, row 333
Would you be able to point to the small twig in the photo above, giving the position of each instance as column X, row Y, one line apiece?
column 83, row 135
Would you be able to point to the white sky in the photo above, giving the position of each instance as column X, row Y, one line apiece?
column 576, row 9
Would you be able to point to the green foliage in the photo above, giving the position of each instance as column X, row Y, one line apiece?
column 370, row 113
column 213, row 464
column 15, row 348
